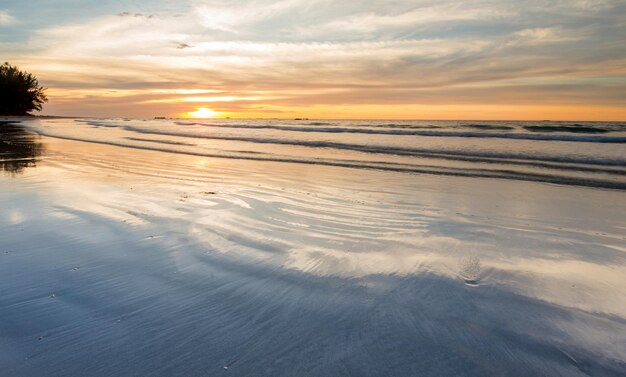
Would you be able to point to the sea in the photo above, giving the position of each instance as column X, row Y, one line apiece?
column 572, row 153
column 267, row 247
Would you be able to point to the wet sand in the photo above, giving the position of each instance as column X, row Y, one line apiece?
column 118, row 261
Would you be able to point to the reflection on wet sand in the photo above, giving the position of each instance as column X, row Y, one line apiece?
column 19, row 148
column 124, row 261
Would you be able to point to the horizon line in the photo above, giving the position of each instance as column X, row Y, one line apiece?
column 328, row 119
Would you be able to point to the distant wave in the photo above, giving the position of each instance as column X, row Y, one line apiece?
column 402, row 126
column 98, row 123
column 370, row 125
column 159, row 141
column 488, row 127
column 354, row 130
column 319, row 124
column 419, row 152
column 577, row 128
column 563, row 165
column 399, row 132
column 386, row 166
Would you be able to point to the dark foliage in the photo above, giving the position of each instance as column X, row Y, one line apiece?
column 20, row 91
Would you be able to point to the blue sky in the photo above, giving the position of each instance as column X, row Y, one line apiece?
column 416, row 59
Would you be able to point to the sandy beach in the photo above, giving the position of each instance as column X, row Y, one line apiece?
column 201, row 256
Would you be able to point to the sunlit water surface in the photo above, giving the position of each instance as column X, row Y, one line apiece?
column 312, row 248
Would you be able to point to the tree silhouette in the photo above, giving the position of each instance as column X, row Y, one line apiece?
column 20, row 91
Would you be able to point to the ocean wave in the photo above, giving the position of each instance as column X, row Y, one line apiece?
column 385, row 166
column 98, row 123
column 575, row 128
column 402, row 126
column 399, row 132
column 419, row 152
column 336, row 129
column 319, row 124
column 159, row 141
column 488, row 127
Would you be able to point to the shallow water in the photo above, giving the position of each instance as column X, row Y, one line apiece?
column 312, row 248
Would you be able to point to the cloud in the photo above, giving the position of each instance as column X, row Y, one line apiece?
column 181, row 45
column 320, row 52
column 6, row 18
column 548, row 35
column 421, row 16
column 234, row 16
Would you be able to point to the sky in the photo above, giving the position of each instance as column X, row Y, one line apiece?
column 358, row 59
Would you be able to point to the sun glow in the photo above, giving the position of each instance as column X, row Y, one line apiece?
column 202, row 112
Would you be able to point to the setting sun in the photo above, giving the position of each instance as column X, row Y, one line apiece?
column 202, row 112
